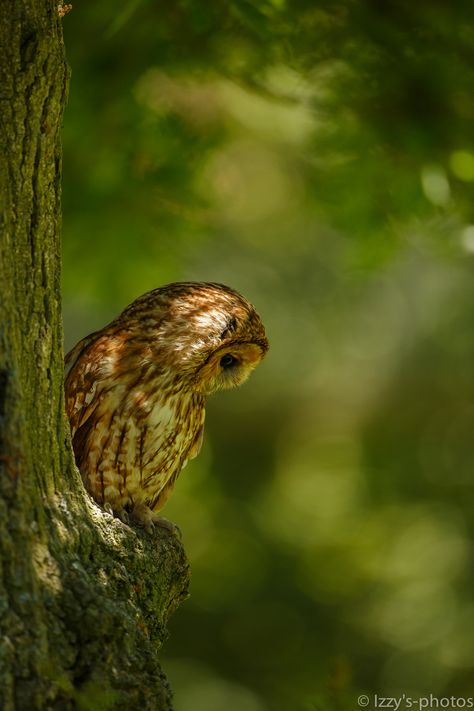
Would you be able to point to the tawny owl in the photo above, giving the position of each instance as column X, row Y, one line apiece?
column 136, row 389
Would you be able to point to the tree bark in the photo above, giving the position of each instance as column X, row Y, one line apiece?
column 84, row 599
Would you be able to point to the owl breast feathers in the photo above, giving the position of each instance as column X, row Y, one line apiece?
column 136, row 389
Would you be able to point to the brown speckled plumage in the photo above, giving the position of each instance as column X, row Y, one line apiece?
column 136, row 389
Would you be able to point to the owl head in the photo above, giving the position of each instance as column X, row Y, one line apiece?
column 207, row 335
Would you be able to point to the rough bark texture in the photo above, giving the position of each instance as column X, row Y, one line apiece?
column 84, row 599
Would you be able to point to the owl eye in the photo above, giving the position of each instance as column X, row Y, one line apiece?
column 228, row 360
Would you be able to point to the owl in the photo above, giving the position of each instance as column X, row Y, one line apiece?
column 136, row 390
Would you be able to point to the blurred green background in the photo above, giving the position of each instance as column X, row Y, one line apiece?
column 320, row 159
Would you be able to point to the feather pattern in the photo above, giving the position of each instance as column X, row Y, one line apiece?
column 136, row 389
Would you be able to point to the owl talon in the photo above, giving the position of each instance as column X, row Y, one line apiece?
column 168, row 526
column 149, row 527
column 108, row 509
column 144, row 516
column 123, row 516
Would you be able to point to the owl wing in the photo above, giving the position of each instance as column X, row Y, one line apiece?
column 84, row 374
column 196, row 444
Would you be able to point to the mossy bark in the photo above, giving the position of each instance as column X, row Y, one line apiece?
column 84, row 599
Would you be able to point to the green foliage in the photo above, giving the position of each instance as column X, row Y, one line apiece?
column 321, row 160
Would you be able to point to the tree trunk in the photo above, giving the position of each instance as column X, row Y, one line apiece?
column 84, row 599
